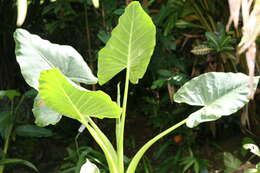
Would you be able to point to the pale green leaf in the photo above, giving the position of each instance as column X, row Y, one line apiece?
column 130, row 46
column 253, row 149
column 35, row 54
column 231, row 163
column 44, row 116
column 71, row 100
column 219, row 93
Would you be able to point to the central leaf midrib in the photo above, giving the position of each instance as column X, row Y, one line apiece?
column 70, row 101
column 128, row 65
column 224, row 95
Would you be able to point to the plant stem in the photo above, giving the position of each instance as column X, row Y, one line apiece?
column 103, row 142
column 9, row 132
column 6, row 146
column 134, row 162
column 120, row 140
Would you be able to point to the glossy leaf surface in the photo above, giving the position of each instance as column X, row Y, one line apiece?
column 220, row 94
column 130, row 46
column 71, row 100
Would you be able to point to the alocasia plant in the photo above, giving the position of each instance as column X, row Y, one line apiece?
column 130, row 47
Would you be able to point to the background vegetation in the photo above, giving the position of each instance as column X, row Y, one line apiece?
column 191, row 40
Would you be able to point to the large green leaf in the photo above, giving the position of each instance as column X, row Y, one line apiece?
column 219, row 93
column 35, row 54
column 130, row 46
column 69, row 99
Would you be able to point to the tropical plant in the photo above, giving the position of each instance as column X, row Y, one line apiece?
column 60, row 69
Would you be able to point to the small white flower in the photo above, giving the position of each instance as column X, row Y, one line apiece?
column 89, row 167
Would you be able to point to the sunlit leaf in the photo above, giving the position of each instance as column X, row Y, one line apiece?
column 71, row 100
column 35, row 54
column 130, row 46
column 219, row 93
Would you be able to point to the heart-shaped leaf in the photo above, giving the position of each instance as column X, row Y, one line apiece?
column 219, row 93
column 35, row 54
column 71, row 100
column 130, row 46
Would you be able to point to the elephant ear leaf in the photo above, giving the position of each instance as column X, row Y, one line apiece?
column 130, row 46
column 35, row 54
column 62, row 95
column 220, row 94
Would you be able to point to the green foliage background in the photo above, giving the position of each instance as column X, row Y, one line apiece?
column 182, row 26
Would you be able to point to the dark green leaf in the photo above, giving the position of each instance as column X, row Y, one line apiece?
column 18, row 161
column 6, row 121
column 9, row 93
column 33, row 131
